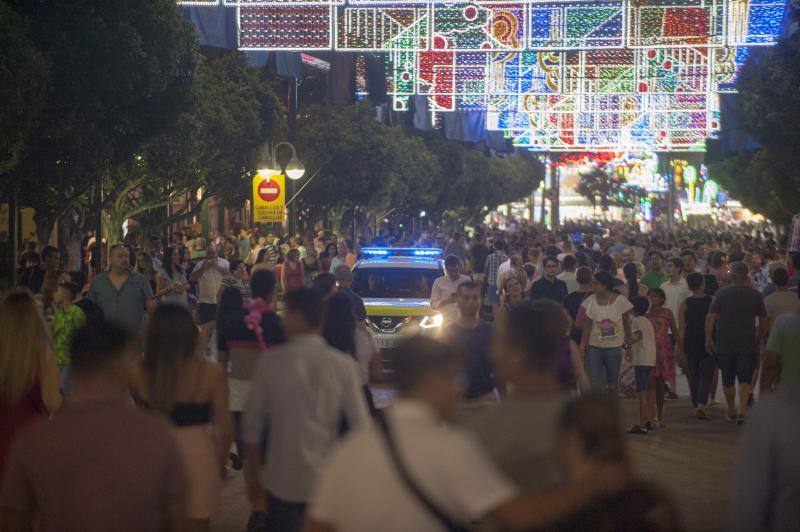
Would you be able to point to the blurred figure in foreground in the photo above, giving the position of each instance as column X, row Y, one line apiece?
column 414, row 471
column 28, row 372
column 589, row 431
column 766, row 475
column 101, row 464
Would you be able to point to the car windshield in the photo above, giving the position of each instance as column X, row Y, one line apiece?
column 395, row 282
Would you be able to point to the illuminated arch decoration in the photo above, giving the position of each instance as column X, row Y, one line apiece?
column 554, row 75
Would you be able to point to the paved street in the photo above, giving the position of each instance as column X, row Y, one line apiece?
column 691, row 459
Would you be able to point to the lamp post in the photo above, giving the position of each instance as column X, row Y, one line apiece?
column 294, row 170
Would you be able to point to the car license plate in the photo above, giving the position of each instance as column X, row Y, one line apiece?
column 388, row 343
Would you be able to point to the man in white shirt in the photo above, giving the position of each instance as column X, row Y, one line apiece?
column 445, row 288
column 208, row 274
column 301, row 392
column 569, row 265
column 675, row 287
column 676, row 291
column 363, row 489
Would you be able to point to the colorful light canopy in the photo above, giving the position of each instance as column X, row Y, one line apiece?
column 554, row 75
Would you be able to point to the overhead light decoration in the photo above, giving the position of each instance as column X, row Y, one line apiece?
column 568, row 75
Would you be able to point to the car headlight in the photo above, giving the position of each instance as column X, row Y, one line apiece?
column 429, row 322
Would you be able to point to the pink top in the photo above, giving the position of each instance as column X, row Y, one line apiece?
column 295, row 276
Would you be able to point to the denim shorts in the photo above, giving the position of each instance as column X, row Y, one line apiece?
column 642, row 375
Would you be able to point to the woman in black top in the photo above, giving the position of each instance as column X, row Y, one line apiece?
column 573, row 301
column 692, row 322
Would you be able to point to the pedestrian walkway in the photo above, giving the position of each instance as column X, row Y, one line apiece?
column 691, row 459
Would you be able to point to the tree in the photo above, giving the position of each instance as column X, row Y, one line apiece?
column 764, row 181
column 119, row 73
column 211, row 150
column 598, row 186
column 355, row 161
column 768, row 181
column 22, row 76
column 358, row 162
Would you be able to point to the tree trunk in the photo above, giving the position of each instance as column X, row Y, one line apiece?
column 44, row 227
column 73, row 236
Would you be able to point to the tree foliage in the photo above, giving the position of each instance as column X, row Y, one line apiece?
column 22, row 77
column 599, row 187
column 768, row 181
column 211, row 148
column 358, row 162
column 117, row 74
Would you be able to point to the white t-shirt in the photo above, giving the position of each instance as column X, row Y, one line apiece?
column 607, row 329
column 644, row 351
column 366, row 346
column 360, row 490
column 676, row 294
column 570, row 280
column 211, row 281
column 444, row 287
column 502, row 270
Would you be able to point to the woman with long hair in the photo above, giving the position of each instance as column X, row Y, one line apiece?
column 341, row 331
column 331, row 250
column 229, row 306
column 293, row 275
column 632, row 287
column 173, row 380
column 171, row 283
column 606, row 333
column 144, row 266
column 28, row 372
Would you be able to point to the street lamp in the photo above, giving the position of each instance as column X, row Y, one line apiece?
column 268, row 164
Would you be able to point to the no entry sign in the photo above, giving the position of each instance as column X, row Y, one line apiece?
column 269, row 190
column 269, row 199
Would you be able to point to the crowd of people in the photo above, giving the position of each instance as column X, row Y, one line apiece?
column 126, row 397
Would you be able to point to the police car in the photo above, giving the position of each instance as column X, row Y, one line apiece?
column 396, row 284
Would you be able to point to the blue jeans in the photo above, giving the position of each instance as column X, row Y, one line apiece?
column 602, row 365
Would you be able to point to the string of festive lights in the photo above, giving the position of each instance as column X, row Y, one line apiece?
column 551, row 74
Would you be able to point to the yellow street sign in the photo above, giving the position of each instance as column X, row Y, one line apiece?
column 269, row 198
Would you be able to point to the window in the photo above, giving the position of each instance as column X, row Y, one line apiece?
column 395, row 282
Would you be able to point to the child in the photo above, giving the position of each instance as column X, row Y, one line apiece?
column 664, row 324
column 67, row 318
column 699, row 363
column 589, row 432
column 644, row 360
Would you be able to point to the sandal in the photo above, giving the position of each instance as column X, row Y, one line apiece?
column 701, row 414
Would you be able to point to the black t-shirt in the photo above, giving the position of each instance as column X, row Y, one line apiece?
column 478, row 254
column 232, row 328
column 32, row 278
column 357, row 303
column 737, row 308
column 544, row 289
column 475, row 344
column 573, row 304
column 94, row 314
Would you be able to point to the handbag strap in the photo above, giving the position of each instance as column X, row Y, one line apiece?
column 423, row 499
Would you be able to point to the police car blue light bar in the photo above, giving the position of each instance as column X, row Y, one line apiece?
column 401, row 252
